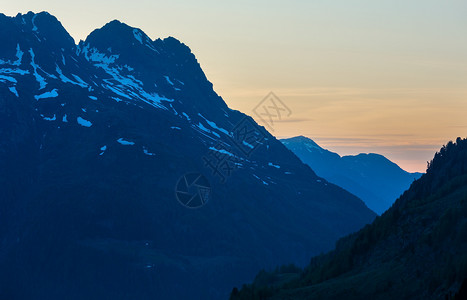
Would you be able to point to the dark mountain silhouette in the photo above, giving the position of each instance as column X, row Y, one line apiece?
column 372, row 177
column 415, row 250
column 93, row 141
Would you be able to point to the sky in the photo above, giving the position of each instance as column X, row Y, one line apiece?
column 385, row 76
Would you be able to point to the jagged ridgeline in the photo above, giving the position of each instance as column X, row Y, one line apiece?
column 415, row 250
column 94, row 138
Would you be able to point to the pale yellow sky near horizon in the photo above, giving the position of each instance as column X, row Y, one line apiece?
column 385, row 76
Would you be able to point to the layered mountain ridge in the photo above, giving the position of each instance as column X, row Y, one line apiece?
column 372, row 177
column 94, row 138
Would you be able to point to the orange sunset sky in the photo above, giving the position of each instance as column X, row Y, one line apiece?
column 359, row 76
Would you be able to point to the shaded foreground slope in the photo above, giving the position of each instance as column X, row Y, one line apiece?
column 416, row 250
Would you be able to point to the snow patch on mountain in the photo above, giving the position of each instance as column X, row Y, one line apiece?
column 214, row 125
column 19, row 55
column 168, row 80
column 103, row 148
column 186, row 116
column 4, row 78
column 17, row 62
column 248, row 144
column 223, row 151
column 52, row 94
column 39, row 78
column 124, row 86
column 138, row 36
column 14, row 91
column 83, row 122
column 264, row 182
column 201, row 127
column 125, row 142
column 33, row 21
column 65, row 79
column 143, row 39
column 93, row 55
column 49, row 119
column 273, row 165
column 146, row 151
column 13, row 71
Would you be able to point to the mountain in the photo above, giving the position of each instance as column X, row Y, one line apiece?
column 106, row 149
column 372, row 177
column 416, row 250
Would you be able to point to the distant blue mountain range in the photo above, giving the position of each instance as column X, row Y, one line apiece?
column 372, row 177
